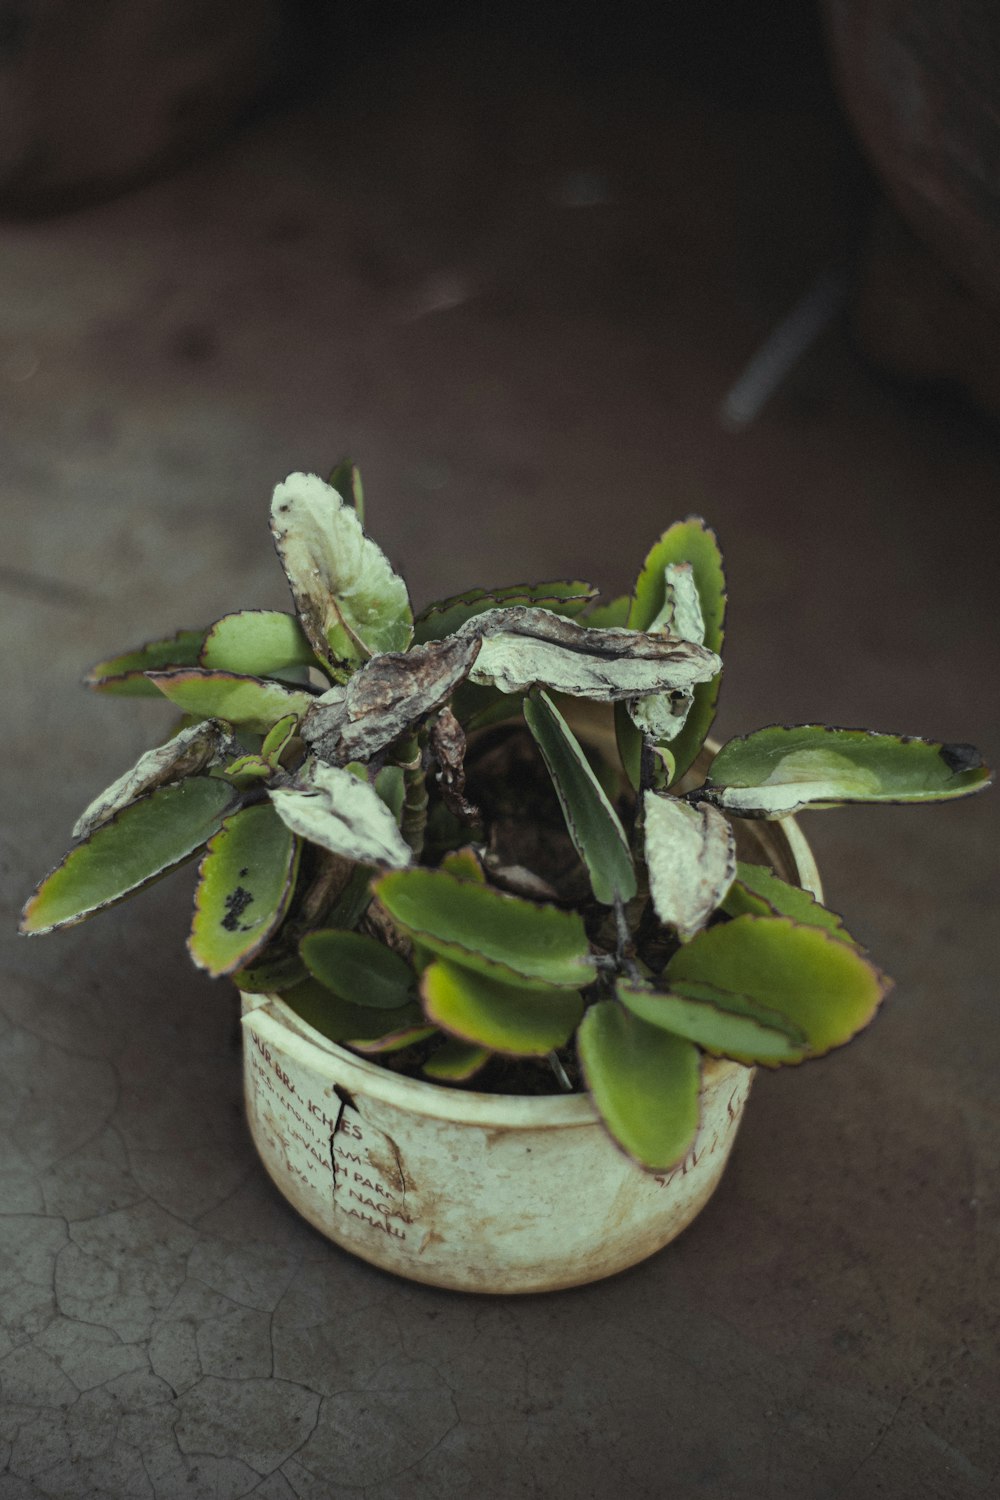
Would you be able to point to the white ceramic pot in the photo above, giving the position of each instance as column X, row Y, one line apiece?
column 478, row 1192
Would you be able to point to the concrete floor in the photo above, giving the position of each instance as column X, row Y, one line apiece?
column 514, row 277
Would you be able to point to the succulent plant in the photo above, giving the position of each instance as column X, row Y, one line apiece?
column 319, row 770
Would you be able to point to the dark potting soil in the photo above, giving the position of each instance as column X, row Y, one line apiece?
column 531, row 1076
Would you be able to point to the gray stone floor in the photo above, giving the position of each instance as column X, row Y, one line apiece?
column 516, row 290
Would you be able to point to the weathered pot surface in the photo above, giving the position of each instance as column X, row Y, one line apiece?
column 477, row 1192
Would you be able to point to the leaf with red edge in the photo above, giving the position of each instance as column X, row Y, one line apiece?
column 154, row 834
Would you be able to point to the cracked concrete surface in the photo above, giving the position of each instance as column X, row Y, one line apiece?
column 531, row 385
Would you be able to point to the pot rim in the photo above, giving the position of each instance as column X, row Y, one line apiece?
column 271, row 1017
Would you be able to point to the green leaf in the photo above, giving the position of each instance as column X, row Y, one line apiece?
column 645, row 1083
column 248, row 742
column 125, row 676
column 331, row 807
column 691, row 859
column 503, row 937
column 464, row 864
column 422, row 957
column 690, row 541
column 504, row 1017
column 818, row 983
column 407, row 1033
column 186, row 753
column 256, row 643
column 759, row 893
column 564, row 597
column 391, row 787
column 629, row 741
column 358, row 968
column 664, row 768
column 277, row 739
column 246, row 769
column 271, row 974
column 731, row 1025
column 351, row 603
column 249, row 702
column 161, row 830
column 610, row 613
column 346, row 480
column 592, row 724
column 776, row 771
column 245, row 884
column 340, row 1021
column 592, row 822
column 480, row 707
column 456, row 1062
column 353, row 901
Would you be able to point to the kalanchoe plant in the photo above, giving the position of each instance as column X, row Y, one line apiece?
column 319, row 771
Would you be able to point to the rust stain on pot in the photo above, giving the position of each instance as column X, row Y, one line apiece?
column 391, row 1167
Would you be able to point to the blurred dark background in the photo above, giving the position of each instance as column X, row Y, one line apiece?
column 554, row 275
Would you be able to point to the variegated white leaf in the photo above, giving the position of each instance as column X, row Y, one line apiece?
column 691, row 858
column 190, row 751
column 523, row 646
column 804, row 778
column 681, row 613
column 778, row 801
column 350, row 601
column 662, row 716
column 776, row 770
column 385, row 698
column 331, row 807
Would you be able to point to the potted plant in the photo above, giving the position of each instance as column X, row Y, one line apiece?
column 511, row 936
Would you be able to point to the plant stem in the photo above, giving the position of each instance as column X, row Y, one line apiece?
column 414, row 820
column 647, row 766
column 331, row 876
column 562, row 1077
column 626, row 948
